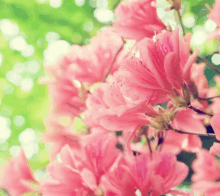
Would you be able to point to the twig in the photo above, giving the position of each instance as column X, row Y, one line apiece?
column 199, row 134
column 163, row 139
column 181, row 22
column 148, row 142
column 209, row 64
column 5, row 191
column 113, row 61
column 208, row 7
column 208, row 98
column 199, row 111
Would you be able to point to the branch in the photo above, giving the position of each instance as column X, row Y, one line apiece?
column 203, row 59
column 113, row 61
column 148, row 141
column 199, row 111
column 5, row 191
column 209, row 64
column 181, row 22
column 208, row 98
column 199, row 134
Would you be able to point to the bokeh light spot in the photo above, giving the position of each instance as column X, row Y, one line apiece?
column 19, row 120
column 189, row 21
column 27, row 136
column 103, row 15
column 8, row 28
column 216, row 59
column 26, row 84
column 80, row 3
column 15, row 150
column 210, row 26
column 54, row 50
column 199, row 37
column 55, row 3
column 18, row 43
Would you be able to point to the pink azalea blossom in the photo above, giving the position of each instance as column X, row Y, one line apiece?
column 108, row 108
column 207, row 171
column 198, row 76
column 157, row 174
column 137, row 19
column 206, row 188
column 214, row 15
column 92, row 62
column 186, row 121
column 215, row 123
column 164, row 65
column 215, row 149
column 215, row 106
column 64, row 93
column 16, row 176
column 58, row 136
column 206, row 167
column 80, row 173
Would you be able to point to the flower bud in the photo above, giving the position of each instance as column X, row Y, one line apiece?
column 175, row 4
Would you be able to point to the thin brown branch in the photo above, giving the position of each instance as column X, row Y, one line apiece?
column 209, row 64
column 199, row 134
column 209, row 98
column 181, row 22
column 113, row 61
column 199, row 111
column 208, row 7
column 148, row 143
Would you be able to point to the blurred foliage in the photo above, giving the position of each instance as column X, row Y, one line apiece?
column 19, row 101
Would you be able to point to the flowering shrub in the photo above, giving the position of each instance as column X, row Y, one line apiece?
column 141, row 107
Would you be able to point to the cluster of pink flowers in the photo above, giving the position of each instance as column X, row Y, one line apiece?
column 141, row 107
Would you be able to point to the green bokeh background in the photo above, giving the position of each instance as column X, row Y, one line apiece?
column 35, row 19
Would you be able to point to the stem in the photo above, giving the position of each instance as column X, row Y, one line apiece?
column 209, row 64
column 161, row 139
column 181, row 22
column 199, row 111
column 5, row 191
column 208, row 98
column 199, row 134
column 113, row 61
column 149, row 146
column 148, row 141
column 208, row 7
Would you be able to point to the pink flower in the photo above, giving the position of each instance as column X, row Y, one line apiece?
column 83, row 64
column 16, row 176
column 92, row 62
column 206, row 167
column 206, row 188
column 108, row 108
column 215, row 123
column 137, row 19
column 58, row 136
column 215, row 149
column 215, row 34
column 100, row 155
column 198, row 76
column 80, row 173
column 207, row 171
column 185, row 120
column 157, row 174
column 64, row 93
column 215, row 14
column 164, row 65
